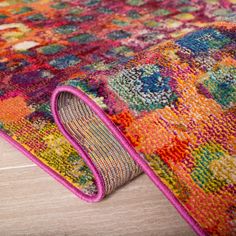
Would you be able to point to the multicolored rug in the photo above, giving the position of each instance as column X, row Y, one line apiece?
column 95, row 91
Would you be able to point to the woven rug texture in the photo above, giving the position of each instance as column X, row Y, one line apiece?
column 96, row 92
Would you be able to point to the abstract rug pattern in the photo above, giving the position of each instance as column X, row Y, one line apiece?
column 97, row 91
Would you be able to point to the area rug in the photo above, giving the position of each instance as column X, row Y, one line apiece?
column 97, row 91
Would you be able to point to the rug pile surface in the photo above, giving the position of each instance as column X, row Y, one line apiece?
column 97, row 91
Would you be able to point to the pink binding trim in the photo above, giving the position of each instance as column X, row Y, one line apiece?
column 126, row 145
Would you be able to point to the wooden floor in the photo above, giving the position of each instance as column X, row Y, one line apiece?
column 33, row 203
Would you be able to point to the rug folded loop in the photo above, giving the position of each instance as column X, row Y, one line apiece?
column 78, row 118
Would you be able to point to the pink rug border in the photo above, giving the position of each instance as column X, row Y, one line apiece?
column 125, row 144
